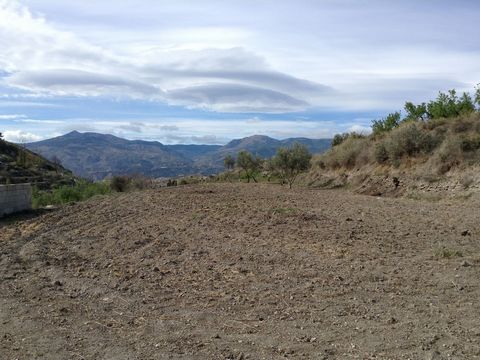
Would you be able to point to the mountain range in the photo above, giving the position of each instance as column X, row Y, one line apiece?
column 97, row 156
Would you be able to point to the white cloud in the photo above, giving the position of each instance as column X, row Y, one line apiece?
column 42, row 122
column 39, row 58
column 12, row 116
column 360, row 129
column 20, row 136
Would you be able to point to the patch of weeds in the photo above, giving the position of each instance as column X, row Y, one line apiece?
column 445, row 253
column 284, row 211
column 196, row 216
column 432, row 178
column 463, row 197
column 424, row 196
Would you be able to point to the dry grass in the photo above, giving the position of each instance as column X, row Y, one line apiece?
column 436, row 146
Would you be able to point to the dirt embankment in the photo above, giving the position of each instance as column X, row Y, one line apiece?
column 237, row 271
column 401, row 182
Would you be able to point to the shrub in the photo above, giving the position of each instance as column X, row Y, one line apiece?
column 449, row 154
column 409, row 140
column 381, row 153
column 470, row 143
column 339, row 138
column 119, row 183
column 346, row 154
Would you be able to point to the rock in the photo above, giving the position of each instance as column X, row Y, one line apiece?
column 466, row 233
column 433, row 355
column 465, row 263
column 392, row 320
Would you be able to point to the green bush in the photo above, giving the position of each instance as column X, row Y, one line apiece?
column 68, row 194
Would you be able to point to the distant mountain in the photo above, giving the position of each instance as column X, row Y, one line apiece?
column 97, row 156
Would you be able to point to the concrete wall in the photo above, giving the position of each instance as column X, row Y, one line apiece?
column 15, row 198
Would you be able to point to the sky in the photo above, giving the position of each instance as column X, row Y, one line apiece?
column 206, row 72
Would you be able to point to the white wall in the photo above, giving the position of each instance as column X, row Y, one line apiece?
column 15, row 198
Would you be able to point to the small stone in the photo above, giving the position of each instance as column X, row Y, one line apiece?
column 156, row 269
column 465, row 263
column 434, row 355
column 466, row 233
column 392, row 320
column 57, row 283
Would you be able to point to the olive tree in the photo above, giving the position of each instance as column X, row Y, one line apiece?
column 249, row 164
column 229, row 162
column 290, row 162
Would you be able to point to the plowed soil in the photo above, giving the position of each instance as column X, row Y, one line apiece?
column 242, row 271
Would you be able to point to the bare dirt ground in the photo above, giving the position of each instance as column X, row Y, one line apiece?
column 242, row 271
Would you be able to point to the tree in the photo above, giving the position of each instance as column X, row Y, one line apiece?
column 465, row 105
column 416, row 112
column 477, row 95
column 290, row 162
column 386, row 124
column 56, row 162
column 1, row 136
column 229, row 162
column 249, row 164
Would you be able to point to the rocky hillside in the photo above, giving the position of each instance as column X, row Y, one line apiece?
column 97, row 156
column 20, row 165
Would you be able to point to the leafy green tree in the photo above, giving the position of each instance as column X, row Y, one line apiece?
column 449, row 105
column 416, row 112
column 386, row 124
column 229, row 162
column 465, row 105
column 249, row 164
column 290, row 162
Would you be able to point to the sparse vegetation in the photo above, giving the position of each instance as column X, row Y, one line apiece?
column 441, row 134
column 82, row 190
column 445, row 253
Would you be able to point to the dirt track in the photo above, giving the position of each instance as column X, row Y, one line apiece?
column 237, row 271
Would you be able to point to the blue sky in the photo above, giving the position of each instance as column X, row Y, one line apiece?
column 210, row 71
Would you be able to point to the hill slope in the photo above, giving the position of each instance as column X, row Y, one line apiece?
column 97, row 156
column 20, row 165
column 436, row 156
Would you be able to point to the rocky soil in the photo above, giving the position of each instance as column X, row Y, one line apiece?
column 242, row 271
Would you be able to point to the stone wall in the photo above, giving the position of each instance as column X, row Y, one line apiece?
column 15, row 198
